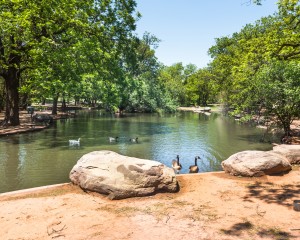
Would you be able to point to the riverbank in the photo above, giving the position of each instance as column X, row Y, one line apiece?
column 26, row 124
column 295, row 125
column 208, row 206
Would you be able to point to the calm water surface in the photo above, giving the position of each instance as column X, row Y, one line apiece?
column 43, row 158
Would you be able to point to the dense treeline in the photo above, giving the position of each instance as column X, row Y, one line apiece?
column 257, row 70
column 88, row 51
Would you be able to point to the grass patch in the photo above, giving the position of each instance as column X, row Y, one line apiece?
column 119, row 211
column 96, row 234
column 203, row 213
column 178, row 203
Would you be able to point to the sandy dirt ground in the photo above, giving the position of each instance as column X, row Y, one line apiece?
column 208, row 206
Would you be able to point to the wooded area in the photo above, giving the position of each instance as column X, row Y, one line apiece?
column 88, row 51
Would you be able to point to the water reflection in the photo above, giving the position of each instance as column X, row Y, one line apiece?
column 42, row 158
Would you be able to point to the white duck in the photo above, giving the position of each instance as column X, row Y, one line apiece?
column 112, row 139
column 74, row 142
column 134, row 140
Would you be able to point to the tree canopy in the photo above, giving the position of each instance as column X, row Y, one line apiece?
column 88, row 51
column 42, row 37
column 255, row 65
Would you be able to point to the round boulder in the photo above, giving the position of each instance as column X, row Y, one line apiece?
column 256, row 163
column 291, row 152
column 121, row 177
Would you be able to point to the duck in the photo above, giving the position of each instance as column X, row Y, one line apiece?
column 74, row 142
column 113, row 139
column 176, row 165
column 195, row 168
column 134, row 140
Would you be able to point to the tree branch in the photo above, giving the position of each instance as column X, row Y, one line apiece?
column 291, row 54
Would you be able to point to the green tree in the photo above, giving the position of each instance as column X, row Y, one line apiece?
column 278, row 91
column 28, row 27
column 288, row 44
column 141, row 90
column 201, row 88
column 174, row 79
column 259, row 66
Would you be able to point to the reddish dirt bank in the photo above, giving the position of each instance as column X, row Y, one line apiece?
column 208, row 206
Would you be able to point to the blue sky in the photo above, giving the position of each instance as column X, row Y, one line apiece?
column 188, row 28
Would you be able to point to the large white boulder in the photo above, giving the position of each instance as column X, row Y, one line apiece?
column 256, row 163
column 291, row 152
column 121, row 177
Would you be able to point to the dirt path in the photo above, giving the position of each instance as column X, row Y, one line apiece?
column 208, row 206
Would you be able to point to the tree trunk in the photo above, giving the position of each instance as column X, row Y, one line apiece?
column 24, row 101
column 287, row 129
column 63, row 105
column 54, row 106
column 11, row 79
column 2, row 101
column 11, row 76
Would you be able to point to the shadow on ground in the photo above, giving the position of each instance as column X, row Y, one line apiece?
column 247, row 228
column 272, row 193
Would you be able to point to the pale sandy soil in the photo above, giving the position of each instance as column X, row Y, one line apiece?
column 208, row 206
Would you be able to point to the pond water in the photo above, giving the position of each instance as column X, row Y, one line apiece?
column 45, row 157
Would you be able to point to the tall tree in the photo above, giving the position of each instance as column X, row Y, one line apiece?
column 174, row 79
column 260, row 65
column 28, row 26
column 201, row 88
column 288, row 46
column 278, row 91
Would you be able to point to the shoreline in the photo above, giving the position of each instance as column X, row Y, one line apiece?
column 32, row 190
column 212, row 205
column 26, row 125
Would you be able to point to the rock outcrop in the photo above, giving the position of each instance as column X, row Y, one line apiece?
column 291, row 152
column 121, row 177
column 256, row 163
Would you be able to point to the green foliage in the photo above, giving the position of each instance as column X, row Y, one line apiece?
column 279, row 91
column 257, row 68
column 87, row 50
column 174, row 79
column 201, row 88
column 289, row 27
